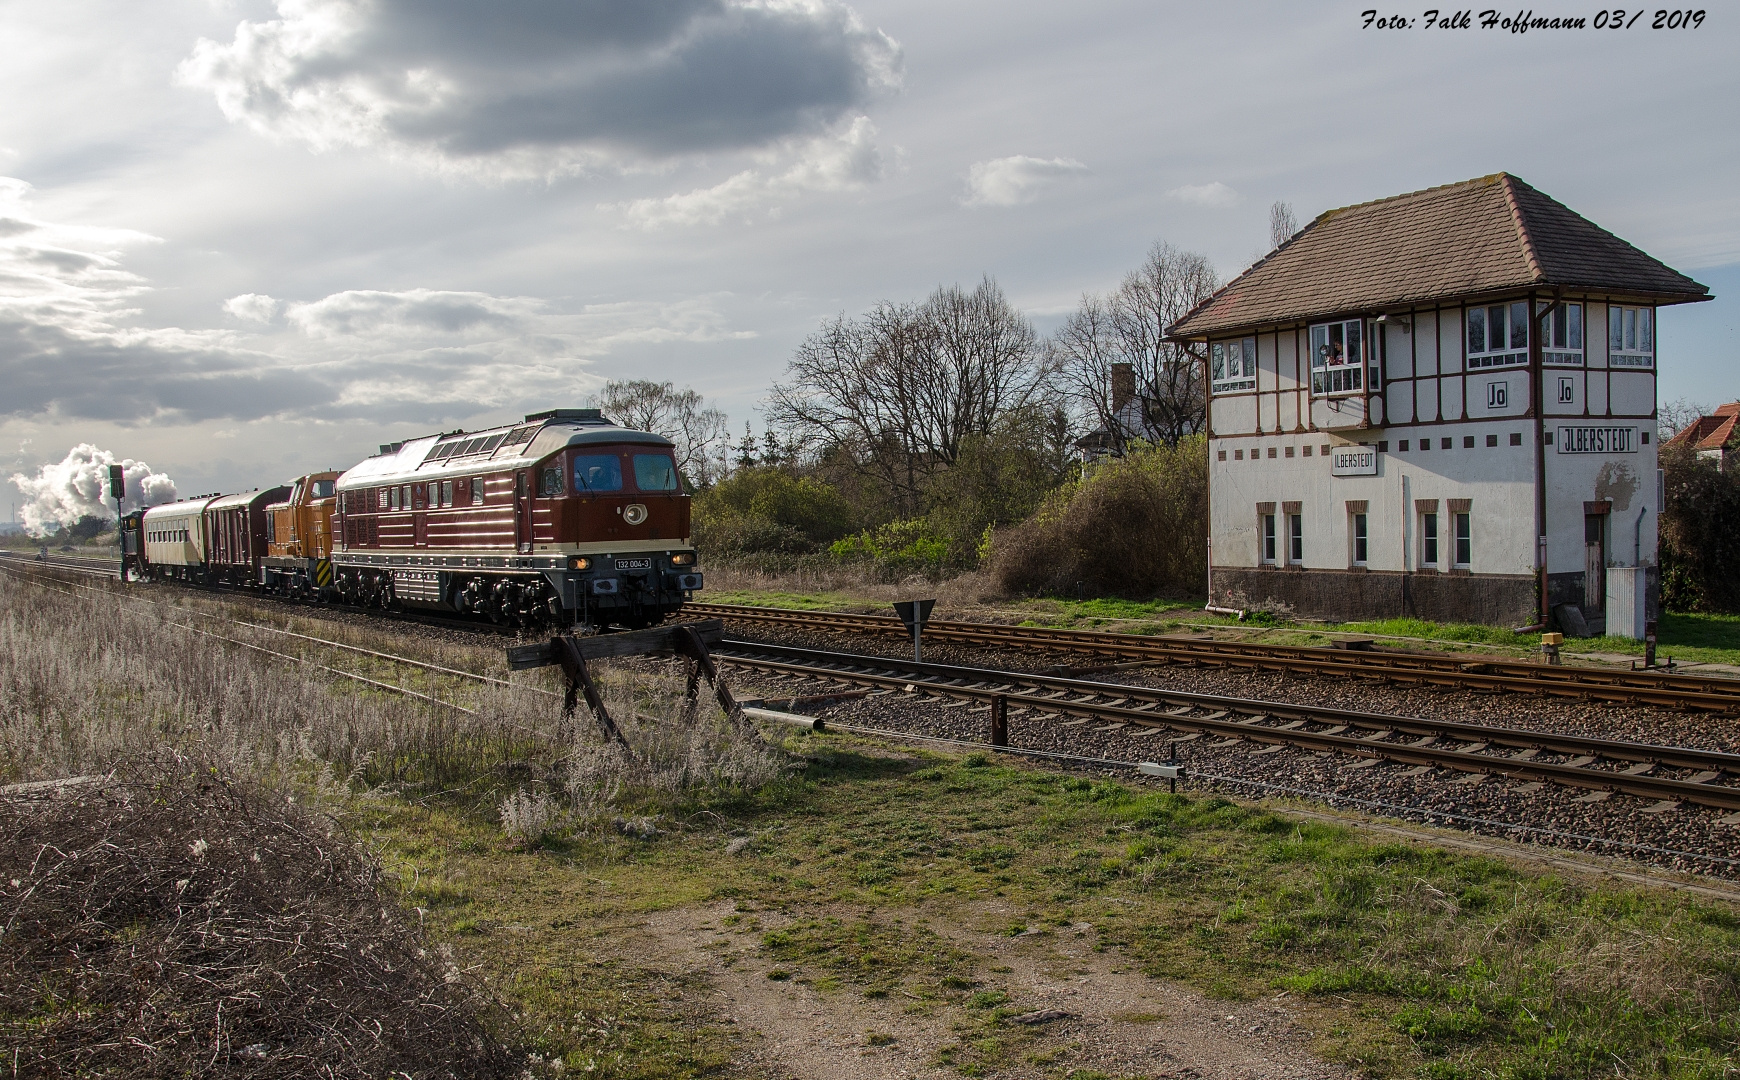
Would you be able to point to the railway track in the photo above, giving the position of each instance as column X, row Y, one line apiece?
column 1674, row 691
column 1669, row 775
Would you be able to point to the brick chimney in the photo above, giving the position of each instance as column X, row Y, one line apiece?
column 1123, row 386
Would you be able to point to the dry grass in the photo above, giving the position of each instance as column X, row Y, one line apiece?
column 166, row 922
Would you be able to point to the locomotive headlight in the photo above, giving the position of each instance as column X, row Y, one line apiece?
column 683, row 558
column 634, row 513
column 579, row 562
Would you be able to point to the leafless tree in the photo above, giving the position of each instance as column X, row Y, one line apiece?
column 1128, row 327
column 1672, row 417
column 1282, row 224
column 682, row 416
column 902, row 389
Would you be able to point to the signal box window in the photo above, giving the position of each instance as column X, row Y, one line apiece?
column 1562, row 335
column 1464, row 552
column 1233, row 365
column 1295, row 539
column 594, row 473
column 1269, row 539
column 1337, row 357
column 1630, row 337
column 1429, row 540
column 550, row 481
column 1498, row 336
column 1359, row 540
column 655, row 472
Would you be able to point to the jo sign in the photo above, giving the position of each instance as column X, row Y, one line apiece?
column 1353, row 461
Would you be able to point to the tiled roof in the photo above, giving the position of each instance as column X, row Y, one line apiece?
column 1480, row 236
column 1713, row 432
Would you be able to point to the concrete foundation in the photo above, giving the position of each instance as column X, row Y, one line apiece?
column 1489, row 599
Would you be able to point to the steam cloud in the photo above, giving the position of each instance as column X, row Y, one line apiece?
column 78, row 485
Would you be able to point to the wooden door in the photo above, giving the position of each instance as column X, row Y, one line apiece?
column 523, row 510
column 1594, row 562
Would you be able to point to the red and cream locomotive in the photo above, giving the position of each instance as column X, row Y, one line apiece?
column 564, row 518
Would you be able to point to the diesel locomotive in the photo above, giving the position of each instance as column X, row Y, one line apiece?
column 564, row 518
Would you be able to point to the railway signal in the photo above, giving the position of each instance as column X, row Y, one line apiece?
column 118, row 491
column 915, row 613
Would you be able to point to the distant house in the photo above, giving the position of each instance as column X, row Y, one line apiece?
column 1715, row 436
column 1438, row 404
column 1129, row 415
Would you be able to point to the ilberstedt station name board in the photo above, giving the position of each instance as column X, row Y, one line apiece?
column 1596, row 440
column 1353, row 461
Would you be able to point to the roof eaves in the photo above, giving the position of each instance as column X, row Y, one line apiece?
column 1506, row 182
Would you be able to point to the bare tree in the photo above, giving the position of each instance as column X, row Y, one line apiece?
column 681, row 416
column 1672, row 417
column 1129, row 327
column 902, row 389
column 1282, row 225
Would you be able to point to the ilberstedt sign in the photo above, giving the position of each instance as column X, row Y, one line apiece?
column 1353, row 461
column 1596, row 440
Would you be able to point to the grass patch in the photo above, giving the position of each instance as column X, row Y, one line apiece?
column 1409, row 960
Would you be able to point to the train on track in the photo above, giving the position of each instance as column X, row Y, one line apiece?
column 563, row 519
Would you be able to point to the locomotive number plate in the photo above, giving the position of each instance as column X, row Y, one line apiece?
column 634, row 564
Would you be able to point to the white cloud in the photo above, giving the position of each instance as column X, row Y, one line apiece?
column 1214, row 194
column 1011, row 181
column 844, row 162
column 409, row 313
column 540, row 87
column 253, row 307
column 78, row 485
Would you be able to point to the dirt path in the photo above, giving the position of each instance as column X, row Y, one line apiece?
column 1113, row 1019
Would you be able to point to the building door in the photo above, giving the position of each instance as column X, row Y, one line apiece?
column 1594, row 562
column 523, row 511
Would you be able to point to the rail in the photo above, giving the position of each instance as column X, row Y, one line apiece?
column 1677, row 691
column 1470, row 748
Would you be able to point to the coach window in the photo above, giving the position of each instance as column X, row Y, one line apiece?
column 1429, row 540
column 1295, row 539
column 1463, row 555
column 476, row 490
column 1269, row 539
column 550, row 480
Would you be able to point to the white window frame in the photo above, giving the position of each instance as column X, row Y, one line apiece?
column 1232, row 365
column 1429, row 539
column 1358, row 531
column 1461, row 539
column 1563, row 334
column 1295, row 539
column 1630, row 336
column 1509, row 354
column 1347, row 377
column 1268, row 541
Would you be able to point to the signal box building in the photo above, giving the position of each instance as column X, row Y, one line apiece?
column 1440, row 404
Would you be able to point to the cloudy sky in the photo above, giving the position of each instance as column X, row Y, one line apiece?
column 239, row 240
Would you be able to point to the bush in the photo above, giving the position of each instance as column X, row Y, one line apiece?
column 1700, row 533
column 1134, row 527
column 769, row 510
column 913, row 546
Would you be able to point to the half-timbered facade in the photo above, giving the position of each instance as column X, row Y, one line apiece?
column 1438, row 404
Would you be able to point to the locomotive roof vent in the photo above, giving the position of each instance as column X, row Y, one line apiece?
column 391, row 447
column 583, row 416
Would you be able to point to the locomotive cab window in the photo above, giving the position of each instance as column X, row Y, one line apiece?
column 550, row 480
column 655, row 472
column 594, row 473
column 323, row 489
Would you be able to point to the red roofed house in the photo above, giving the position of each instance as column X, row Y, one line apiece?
column 1714, row 436
column 1393, row 433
